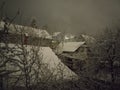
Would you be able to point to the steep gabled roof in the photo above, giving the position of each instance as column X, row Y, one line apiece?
column 53, row 64
column 71, row 46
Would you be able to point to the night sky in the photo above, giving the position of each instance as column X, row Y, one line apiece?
column 73, row 16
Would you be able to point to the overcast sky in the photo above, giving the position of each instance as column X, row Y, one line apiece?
column 74, row 16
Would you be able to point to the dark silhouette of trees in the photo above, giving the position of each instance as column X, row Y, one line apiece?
column 2, row 10
column 45, row 27
column 34, row 23
column 107, row 54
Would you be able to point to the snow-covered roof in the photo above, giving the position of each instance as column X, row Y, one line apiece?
column 13, row 28
column 54, row 64
column 71, row 46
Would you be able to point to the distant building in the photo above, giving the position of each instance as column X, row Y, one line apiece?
column 69, row 38
column 58, row 36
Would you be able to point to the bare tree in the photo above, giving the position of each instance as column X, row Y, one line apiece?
column 106, row 53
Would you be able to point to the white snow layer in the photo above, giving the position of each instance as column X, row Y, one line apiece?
column 13, row 28
column 69, row 46
column 54, row 64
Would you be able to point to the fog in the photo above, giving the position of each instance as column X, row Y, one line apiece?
column 70, row 16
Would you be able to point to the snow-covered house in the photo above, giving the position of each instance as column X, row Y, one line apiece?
column 74, row 49
column 34, row 36
column 73, row 53
column 14, row 28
